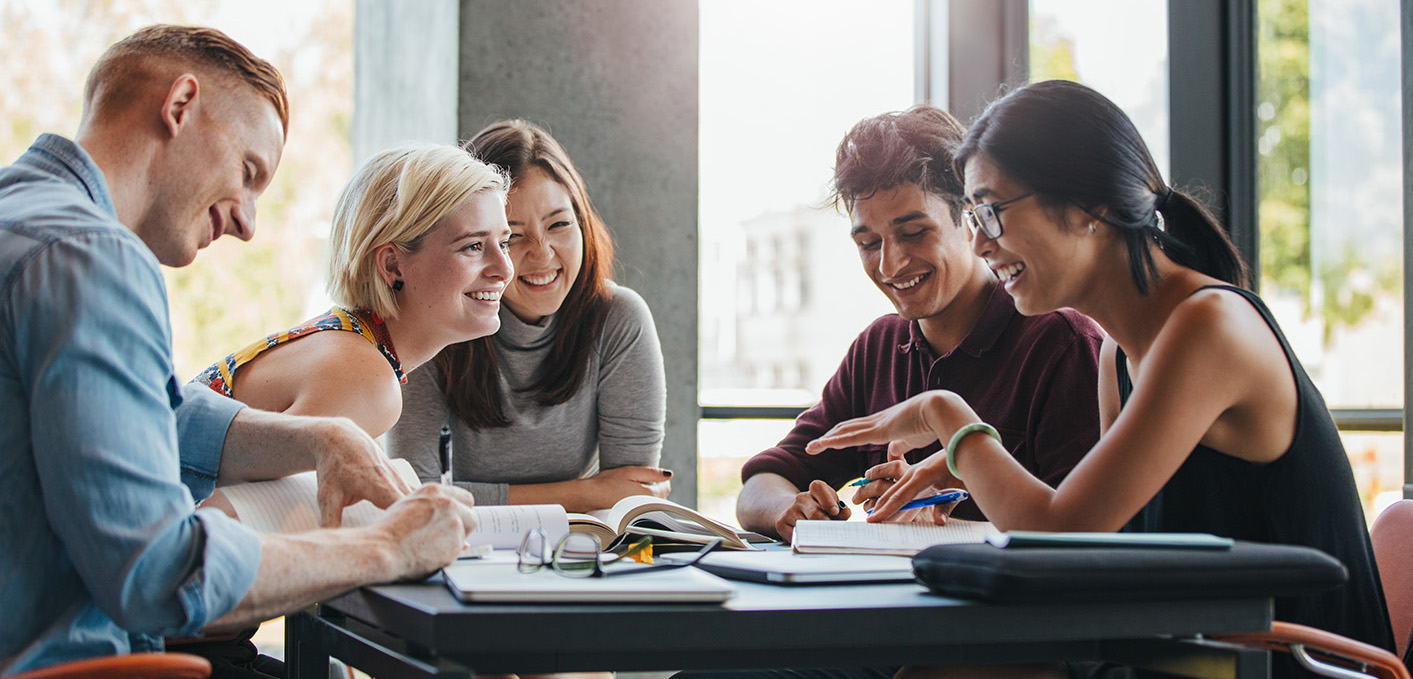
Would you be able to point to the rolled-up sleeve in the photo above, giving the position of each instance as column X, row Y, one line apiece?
column 94, row 351
column 202, row 420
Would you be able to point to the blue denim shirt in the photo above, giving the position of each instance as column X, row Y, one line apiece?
column 101, row 551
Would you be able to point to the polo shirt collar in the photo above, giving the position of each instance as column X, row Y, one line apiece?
column 999, row 311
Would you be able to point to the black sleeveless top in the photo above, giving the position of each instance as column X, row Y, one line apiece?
column 1306, row 497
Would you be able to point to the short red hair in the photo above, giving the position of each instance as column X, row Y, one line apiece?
column 143, row 52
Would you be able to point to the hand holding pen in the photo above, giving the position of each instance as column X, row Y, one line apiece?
column 876, row 481
column 818, row 502
column 948, row 496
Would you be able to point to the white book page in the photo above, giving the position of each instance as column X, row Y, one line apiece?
column 686, row 521
column 503, row 526
column 290, row 505
column 846, row 537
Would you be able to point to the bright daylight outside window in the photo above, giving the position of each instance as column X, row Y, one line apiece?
column 1328, row 137
column 1118, row 47
column 782, row 292
column 234, row 291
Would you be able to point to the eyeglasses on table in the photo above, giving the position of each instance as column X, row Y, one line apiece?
column 580, row 555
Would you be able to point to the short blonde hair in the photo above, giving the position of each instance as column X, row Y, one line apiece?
column 397, row 197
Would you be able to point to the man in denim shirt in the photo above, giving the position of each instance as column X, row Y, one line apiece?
column 101, row 455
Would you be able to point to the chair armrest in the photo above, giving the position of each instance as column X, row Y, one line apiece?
column 133, row 666
column 1324, row 653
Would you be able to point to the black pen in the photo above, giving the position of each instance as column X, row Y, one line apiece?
column 444, row 454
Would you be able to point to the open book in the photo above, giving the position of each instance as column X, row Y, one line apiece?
column 290, row 505
column 901, row 539
column 648, row 515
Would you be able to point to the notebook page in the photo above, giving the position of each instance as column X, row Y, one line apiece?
column 291, row 504
column 854, row 537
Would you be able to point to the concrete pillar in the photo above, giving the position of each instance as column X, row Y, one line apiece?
column 615, row 81
column 404, row 74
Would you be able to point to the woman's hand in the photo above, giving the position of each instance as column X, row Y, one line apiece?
column 889, row 474
column 912, row 424
column 920, row 480
column 880, row 478
column 607, row 487
column 903, row 427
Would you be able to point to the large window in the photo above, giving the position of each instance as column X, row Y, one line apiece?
column 1331, row 210
column 1327, row 145
column 782, row 294
column 1118, row 47
column 235, row 292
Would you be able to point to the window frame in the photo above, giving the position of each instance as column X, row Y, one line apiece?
column 1213, row 132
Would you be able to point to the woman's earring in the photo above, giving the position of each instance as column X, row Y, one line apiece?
column 1091, row 227
column 397, row 284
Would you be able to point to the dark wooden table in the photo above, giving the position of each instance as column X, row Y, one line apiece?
column 420, row 630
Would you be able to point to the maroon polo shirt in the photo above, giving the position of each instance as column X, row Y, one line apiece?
column 1033, row 378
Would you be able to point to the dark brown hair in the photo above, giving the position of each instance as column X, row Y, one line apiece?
column 148, row 50
column 886, row 151
column 1071, row 145
column 470, row 375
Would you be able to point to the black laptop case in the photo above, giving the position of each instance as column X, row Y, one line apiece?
column 1087, row 574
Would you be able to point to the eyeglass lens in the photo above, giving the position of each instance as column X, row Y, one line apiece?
column 984, row 220
column 533, row 550
column 577, row 555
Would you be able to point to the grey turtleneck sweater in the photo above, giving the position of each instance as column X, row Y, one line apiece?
column 615, row 419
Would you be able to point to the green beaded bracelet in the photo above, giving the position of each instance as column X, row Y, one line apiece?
column 961, row 434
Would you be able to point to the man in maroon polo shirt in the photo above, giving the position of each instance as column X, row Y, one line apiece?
column 956, row 328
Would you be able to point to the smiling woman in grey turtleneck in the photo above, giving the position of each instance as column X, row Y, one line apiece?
column 566, row 404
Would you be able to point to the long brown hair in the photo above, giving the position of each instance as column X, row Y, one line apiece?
column 470, row 376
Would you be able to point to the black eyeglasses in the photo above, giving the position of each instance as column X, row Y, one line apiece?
column 577, row 555
column 986, row 217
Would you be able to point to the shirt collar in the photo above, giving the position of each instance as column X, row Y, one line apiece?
column 999, row 311
column 67, row 161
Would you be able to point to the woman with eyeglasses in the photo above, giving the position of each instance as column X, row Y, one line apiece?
column 1209, row 423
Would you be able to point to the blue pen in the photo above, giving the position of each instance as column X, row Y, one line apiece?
column 941, row 498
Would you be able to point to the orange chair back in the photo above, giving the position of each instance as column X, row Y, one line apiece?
column 1392, row 536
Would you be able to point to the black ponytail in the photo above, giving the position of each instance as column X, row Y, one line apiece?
column 1195, row 240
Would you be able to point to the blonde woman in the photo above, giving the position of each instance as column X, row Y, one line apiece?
column 418, row 262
